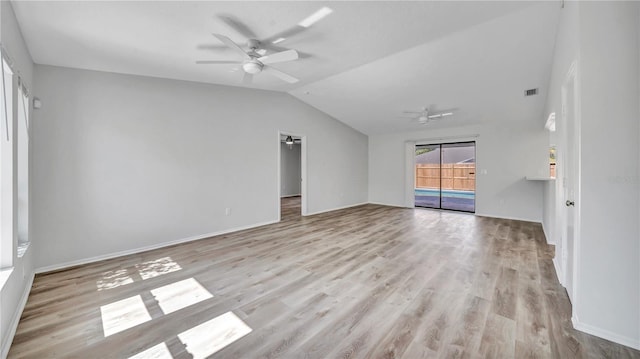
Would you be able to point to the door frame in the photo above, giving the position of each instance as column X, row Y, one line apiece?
column 303, row 172
column 410, row 164
column 571, row 80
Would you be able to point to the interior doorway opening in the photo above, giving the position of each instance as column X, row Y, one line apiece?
column 445, row 176
column 291, row 173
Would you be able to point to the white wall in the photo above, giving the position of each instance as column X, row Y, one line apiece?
column 127, row 162
column 290, row 167
column 507, row 153
column 16, row 286
column 609, row 264
column 603, row 38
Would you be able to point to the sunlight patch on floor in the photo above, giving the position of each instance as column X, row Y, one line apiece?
column 146, row 270
column 213, row 335
column 178, row 295
column 159, row 351
column 113, row 279
column 123, row 314
column 157, row 267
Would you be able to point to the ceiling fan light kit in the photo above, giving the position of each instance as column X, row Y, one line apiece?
column 252, row 67
column 425, row 116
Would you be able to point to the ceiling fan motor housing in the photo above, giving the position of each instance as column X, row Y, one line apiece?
column 253, row 44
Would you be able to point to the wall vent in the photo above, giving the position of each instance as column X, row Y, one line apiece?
column 530, row 92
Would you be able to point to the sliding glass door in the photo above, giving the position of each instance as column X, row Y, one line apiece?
column 445, row 176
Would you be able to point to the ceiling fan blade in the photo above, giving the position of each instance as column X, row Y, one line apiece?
column 212, row 47
column 206, row 62
column 239, row 27
column 440, row 115
column 284, row 35
column 283, row 56
column 281, row 75
column 247, row 79
column 232, row 45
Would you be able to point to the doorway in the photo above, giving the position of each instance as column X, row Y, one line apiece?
column 445, row 176
column 569, row 185
column 291, row 174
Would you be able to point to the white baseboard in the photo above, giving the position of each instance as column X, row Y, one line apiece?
column 337, row 208
column 605, row 334
column 559, row 274
column 546, row 235
column 507, row 217
column 146, row 248
column 13, row 326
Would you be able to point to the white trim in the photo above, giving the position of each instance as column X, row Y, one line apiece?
column 558, row 268
column 546, row 236
column 438, row 140
column 13, row 326
column 505, row 217
column 146, row 248
column 336, row 209
column 605, row 334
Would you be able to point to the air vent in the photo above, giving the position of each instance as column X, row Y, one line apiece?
column 531, row 92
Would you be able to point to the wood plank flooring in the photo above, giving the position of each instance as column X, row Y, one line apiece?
column 366, row 282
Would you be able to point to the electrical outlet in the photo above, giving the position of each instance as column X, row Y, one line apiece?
column 227, row 211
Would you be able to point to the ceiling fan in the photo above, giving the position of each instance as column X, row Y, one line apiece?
column 425, row 116
column 255, row 60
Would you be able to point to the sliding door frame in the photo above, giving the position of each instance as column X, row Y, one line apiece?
column 410, row 165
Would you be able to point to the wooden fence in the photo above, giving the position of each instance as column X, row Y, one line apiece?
column 455, row 176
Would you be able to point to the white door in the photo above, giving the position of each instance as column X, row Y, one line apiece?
column 569, row 183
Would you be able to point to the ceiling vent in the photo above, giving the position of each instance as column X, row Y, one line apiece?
column 531, row 92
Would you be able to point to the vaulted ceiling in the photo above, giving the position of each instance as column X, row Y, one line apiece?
column 363, row 64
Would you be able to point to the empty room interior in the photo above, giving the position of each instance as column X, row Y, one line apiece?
column 320, row 179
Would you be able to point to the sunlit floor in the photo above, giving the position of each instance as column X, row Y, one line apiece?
column 366, row 282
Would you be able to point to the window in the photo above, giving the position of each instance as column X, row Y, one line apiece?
column 22, row 108
column 6, row 167
column 14, row 165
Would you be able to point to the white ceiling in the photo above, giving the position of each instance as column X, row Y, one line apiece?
column 364, row 63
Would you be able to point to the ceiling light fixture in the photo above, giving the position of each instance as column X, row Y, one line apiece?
column 252, row 67
column 315, row 17
column 289, row 140
column 278, row 40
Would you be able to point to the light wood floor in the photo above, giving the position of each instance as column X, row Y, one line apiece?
column 366, row 282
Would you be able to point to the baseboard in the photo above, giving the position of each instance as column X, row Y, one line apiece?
column 13, row 326
column 605, row 334
column 56, row 267
column 556, row 266
column 507, row 217
column 546, row 235
column 337, row 208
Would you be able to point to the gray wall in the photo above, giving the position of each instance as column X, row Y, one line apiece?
column 126, row 162
column 507, row 154
column 290, row 170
